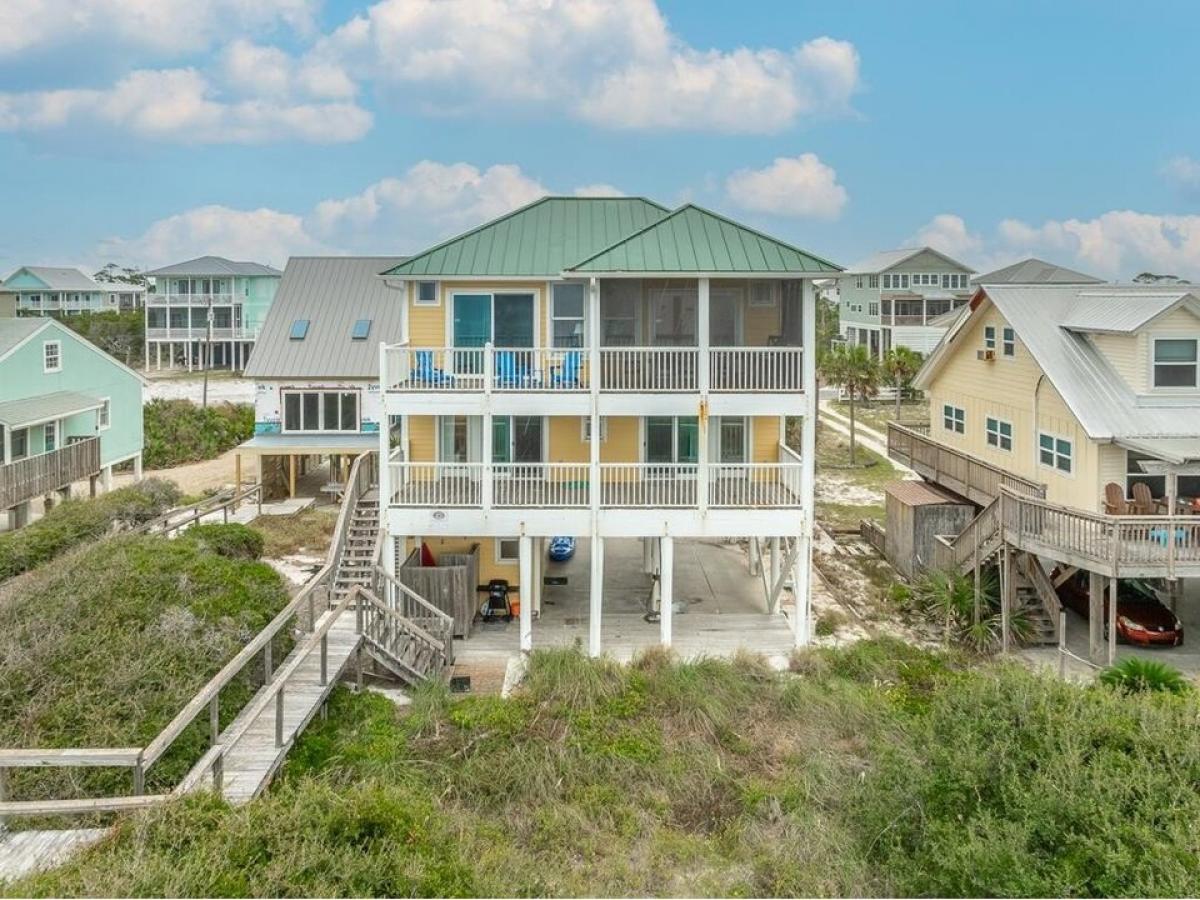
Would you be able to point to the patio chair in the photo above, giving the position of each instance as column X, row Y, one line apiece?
column 567, row 375
column 1115, row 503
column 510, row 371
column 426, row 374
column 1144, row 503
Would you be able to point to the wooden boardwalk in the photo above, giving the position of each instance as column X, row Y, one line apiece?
column 253, row 757
column 25, row 852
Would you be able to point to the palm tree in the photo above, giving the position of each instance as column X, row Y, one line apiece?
column 1134, row 675
column 900, row 365
column 854, row 370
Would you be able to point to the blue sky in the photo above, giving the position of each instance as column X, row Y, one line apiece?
column 259, row 128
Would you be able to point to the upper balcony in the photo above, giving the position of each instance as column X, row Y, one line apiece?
column 913, row 309
column 201, row 333
column 224, row 299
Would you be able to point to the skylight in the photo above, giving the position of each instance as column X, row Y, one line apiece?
column 361, row 329
column 299, row 330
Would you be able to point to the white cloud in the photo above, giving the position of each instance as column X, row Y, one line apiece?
column 791, row 186
column 1183, row 172
column 598, row 190
column 948, row 233
column 428, row 202
column 168, row 26
column 262, row 235
column 270, row 72
column 181, row 105
column 614, row 64
column 1118, row 243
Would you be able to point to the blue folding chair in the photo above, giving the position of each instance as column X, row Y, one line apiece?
column 426, row 374
column 567, row 375
column 510, row 370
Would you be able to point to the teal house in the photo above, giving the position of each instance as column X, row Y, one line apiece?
column 69, row 413
column 207, row 312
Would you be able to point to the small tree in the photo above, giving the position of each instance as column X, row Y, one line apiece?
column 900, row 366
column 854, row 370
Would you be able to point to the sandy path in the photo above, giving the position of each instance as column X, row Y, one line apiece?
column 195, row 478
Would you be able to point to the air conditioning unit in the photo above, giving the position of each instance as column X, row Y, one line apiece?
column 985, row 355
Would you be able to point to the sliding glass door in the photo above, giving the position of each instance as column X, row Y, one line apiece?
column 672, row 441
column 506, row 320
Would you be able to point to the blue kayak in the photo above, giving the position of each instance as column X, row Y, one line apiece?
column 561, row 548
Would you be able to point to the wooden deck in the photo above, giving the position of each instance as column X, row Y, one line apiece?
column 25, row 852
column 253, row 757
column 42, row 473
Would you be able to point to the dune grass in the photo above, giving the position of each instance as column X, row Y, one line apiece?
column 875, row 770
column 102, row 647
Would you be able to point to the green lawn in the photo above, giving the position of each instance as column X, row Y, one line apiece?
column 879, row 770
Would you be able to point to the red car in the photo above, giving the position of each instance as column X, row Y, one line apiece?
column 1142, row 618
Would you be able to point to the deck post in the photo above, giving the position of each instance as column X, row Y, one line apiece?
column 755, row 556
column 1095, row 616
column 597, row 592
column 324, row 659
column 647, row 557
column 268, row 668
column 237, row 478
column 291, row 475
column 218, row 772
column 525, row 560
column 776, row 567
column 139, row 777
column 279, row 717
column 1006, row 590
column 539, row 563
column 214, row 719
column 802, row 581
column 666, row 573
column 1112, row 620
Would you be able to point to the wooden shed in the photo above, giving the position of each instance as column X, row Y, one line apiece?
column 917, row 512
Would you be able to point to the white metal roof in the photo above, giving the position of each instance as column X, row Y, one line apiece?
column 45, row 408
column 57, row 278
column 1036, row 271
column 1121, row 312
column 208, row 266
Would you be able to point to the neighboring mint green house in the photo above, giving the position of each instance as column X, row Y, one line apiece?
column 69, row 412
column 901, row 298
column 54, row 290
column 234, row 295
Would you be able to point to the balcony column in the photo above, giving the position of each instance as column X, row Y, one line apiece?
column 702, row 373
column 666, row 573
column 802, row 583
column 383, row 469
column 487, row 479
column 525, row 560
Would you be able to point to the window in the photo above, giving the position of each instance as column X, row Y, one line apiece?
column 1054, row 452
column 362, row 328
column 872, row 309
column 873, row 281
column 320, row 411
column 954, row 419
column 989, row 337
column 52, row 356
column 858, row 282
column 1175, row 362
column 671, row 439
column 999, row 434
column 1009, row 342
column 299, row 330
column 508, row 550
column 895, row 282
column 427, row 293
column 566, row 315
column 50, row 432
column 762, row 294
column 455, row 440
column 19, row 444
column 955, row 280
column 585, row 429
column 104, row 414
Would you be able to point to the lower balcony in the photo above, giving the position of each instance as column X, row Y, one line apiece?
column 37, row 475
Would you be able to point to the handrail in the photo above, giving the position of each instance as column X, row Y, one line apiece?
column 141, row 758
column 413, row 595
column 218, row 501
column 950, row 464
column 429, row 638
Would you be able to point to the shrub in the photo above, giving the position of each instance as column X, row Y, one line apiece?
column 179, row 431
column 232, row 539
column 1136, row 675
column 77, row 521
column 947, row 598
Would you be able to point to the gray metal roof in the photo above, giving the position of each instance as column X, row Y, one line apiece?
column 58, row 278
column 1174, row 450
column 1103, row 402
column 14, row 331
column 1036, row 271
column 214, row 266
column 332, row 293
column 886, row 259
column 45, row 407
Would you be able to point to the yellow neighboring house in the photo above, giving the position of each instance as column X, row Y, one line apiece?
column 601, row 368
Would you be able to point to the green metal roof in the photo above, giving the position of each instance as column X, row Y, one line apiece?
column 541, row 239
column 693, row 239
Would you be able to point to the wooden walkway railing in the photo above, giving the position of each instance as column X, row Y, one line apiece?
column 303, row 611
column 978, row 481
column 225, row 502
column 37, row 475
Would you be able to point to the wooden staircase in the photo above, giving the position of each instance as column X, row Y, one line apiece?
column 358, row 557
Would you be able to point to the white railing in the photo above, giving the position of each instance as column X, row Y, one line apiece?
column 648, row 485
column 657, row 369
column 486, row 369
column 437, row 484
column 751, row 486
column 741, row 369
column 191, row 299
column 541, row 485
column 790, row 474
column 184, row 333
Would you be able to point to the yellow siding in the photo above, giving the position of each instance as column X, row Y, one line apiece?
column 765, row 439
column 422, row 443
column 1127, row 353
column 624, row 440
column 1005, row 389
column 427, row 324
